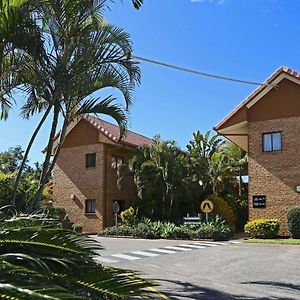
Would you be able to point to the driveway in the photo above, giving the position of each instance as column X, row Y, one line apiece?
column 208, row 270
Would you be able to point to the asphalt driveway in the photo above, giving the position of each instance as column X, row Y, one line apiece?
column 202, row 270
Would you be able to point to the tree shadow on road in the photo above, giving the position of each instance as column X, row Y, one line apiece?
column 288, row 287
column 185, row 290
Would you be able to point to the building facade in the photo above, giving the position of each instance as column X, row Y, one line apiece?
column 267, row 124
column 85, row 175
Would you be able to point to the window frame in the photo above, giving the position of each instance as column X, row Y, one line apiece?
column 117, row 157
column 87, row 166
column 272, row 145
column 87, row 207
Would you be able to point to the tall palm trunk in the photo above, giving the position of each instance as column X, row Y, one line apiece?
column 38, row 195
column 43, row 119
column 57, row 150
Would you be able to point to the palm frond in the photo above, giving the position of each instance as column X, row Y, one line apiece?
column 107, row 107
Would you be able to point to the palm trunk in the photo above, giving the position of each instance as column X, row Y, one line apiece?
column 46, row 164
column 58, row 148
column 43, row 119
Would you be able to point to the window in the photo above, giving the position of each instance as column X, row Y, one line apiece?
column 272, row 141
column 90, row 160
column 121, row 204
column 90, row 206
column 116, row 161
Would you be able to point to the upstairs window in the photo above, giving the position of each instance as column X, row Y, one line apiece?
column 272, row 141
column 90, row 160
column 90, row 206
column 116, row 161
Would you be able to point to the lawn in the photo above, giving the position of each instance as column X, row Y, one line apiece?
column 274, row 241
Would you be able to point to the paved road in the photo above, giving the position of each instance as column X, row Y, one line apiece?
column 202, row 270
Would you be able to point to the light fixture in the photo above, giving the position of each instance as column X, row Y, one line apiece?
column 72, row 197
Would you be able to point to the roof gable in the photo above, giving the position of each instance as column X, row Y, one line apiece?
column 112, row 132
column 253, row 98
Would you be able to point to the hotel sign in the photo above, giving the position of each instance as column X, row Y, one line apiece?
column 259, row 201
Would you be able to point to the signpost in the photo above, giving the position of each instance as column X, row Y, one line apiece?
column 207, row 207
column 115, row 210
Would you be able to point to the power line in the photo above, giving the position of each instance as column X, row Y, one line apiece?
column 152, row 61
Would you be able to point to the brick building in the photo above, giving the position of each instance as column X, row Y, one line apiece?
column 267, row 125
column 84, row 177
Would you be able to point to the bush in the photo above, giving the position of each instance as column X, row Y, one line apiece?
column 293, row 222
column 263, row 228
column 222, row 209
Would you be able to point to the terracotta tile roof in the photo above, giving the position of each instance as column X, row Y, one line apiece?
column 112, row 132
column 257, row 91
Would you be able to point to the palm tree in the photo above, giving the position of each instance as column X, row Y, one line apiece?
column 19, row 33
column 238, row 162
column 84, row 54
column 40, row 260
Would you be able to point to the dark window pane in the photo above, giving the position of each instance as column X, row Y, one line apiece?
column 90, row 160
column 90, row 206
column 116, row 161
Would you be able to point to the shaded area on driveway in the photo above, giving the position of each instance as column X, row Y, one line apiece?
column 186, row 290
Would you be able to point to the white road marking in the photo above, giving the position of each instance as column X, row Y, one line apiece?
column 216, row 243
column 177, row 248
column 235, row 242
column 192, row 246
column 205, row 244
column 105, row 260
column 143, row 253
column 162, row 251
column 125, row 256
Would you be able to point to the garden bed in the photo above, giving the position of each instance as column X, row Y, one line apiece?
column 147, row 229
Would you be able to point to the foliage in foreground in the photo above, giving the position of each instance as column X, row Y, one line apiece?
column 40, row 260
column 293, row 222
column 145, row 228
column 263, row 228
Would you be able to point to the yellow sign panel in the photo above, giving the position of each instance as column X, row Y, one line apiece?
column 207, row 206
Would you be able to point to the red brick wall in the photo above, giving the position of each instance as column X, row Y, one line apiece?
column 72, row 177
column 274, row 174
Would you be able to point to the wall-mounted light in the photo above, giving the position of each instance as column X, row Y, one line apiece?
column 72, row 197
column 298, row 188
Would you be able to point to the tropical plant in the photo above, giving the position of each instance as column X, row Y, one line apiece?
column 39, row 260
column 159, row 172
column 79, row 46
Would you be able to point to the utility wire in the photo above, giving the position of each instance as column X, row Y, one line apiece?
column 152, row 61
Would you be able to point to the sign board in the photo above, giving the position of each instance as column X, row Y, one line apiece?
column 207, row 206
column 259, row 201
column 192, row 220
column 115, row 207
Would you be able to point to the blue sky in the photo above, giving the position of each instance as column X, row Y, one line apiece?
column 247, row 39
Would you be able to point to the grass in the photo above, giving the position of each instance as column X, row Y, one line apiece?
column 273, row 241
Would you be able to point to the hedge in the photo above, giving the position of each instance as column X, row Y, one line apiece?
column 293, row 222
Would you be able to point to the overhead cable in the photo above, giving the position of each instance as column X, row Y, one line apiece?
column 197, row 72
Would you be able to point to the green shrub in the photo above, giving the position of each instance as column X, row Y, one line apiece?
column 121, row 230
column 293, row 222
column 263, row 228
column 182, row 233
